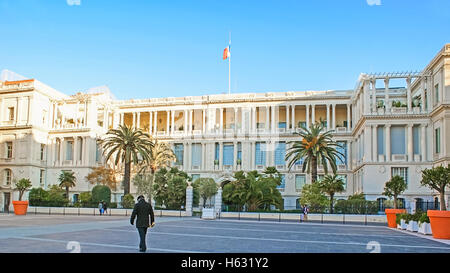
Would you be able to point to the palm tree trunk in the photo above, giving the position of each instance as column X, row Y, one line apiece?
column 67, row 193
column 331, row 203
column 442, row 197
column 126, row 178
column 313, row 169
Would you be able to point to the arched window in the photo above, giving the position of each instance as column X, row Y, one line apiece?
column 7, row 177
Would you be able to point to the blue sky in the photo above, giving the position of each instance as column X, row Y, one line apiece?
column 145, row 49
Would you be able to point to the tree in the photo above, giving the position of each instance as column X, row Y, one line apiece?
column 144, row 184
column 394, row 187
column 127, row 145
column 254, row 190
column 313, row 196
column 331, row 184
column 22, row 186
column 315, row 147
column 207, row 188
column 169, row 188
column 102, row 176
column 101, row 193
column 37, row 196
column 437, row 178
column 67, row 180
column 128, row 201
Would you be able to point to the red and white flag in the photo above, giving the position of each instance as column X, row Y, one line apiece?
column 226, row 53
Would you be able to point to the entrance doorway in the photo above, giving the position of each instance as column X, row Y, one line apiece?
column 7, row 201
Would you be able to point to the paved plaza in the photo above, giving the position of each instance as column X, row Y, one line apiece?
column 114, row 234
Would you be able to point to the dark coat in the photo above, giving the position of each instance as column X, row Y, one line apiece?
column 142, row 210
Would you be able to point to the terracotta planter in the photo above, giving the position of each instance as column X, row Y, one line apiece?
column 20, row 207
column 440, row 223
column 391, row 215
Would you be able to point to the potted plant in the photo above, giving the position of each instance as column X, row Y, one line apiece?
column 438, row 178
column 424, row 224
column 20, row 207
column 238, row 161
column 400, row 220
column 216, row 162
column 413, row 224
column 393, row 188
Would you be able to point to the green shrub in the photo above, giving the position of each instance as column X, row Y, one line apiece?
column 128, row 201
column 424, row 218
column 101, row 193
column 402, row 216
column 37, row 196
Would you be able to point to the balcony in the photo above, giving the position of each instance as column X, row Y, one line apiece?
column 398, row 157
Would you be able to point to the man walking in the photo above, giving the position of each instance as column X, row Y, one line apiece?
column 142, row 210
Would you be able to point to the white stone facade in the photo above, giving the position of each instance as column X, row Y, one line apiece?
column 43, row 131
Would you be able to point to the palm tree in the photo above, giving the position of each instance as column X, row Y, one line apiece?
column 128, row 145
column 160, row 157
column 67, row 180
column 330, row 185
column 316, row 147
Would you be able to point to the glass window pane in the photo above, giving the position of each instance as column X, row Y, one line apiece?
column 300, row 181
column 228, row 153
column 398, row 140
column 280, row 153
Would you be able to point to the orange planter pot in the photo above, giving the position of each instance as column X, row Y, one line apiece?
column 440, row 223
column 391, row 215
column 20, row 207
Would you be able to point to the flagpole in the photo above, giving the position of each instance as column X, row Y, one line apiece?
column 229, row 67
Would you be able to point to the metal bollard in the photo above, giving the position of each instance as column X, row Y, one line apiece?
column 343, row 219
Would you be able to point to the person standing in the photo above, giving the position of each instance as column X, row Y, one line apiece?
column 100, row 207
column 105, row 207
column 142, row 210
column 305, row 212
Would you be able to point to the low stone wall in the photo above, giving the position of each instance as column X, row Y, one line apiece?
column 95, row 211
column 342, row 218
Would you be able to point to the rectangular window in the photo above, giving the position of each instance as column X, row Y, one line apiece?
column 400, row 171
column 41, row 177
column 282, row 125
column 398, row 140
column 239, row 151
column 8, row 177
column 9, row 149
column 416, row 139
column 98, row 153
column 280, row 153
column 437, row 133
column 283, row 183
column 436, row 93
column 342, row 148
column 69, row 150
column 228, row 154
column 11, row 113
column 380, row 140
column 302, row 124
column 42, row 154
column 179, row 153
column 196, row 154
column 260, row 153
column 300, row 181
column 80, row 152
column 217, row 152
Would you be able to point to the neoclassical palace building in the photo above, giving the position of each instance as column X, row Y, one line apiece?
column 389, row 124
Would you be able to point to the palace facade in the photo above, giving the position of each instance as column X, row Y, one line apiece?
column 389, row 124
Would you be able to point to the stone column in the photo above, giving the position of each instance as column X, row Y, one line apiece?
column 273, row 121
column 348, row 118
column 267, row 118
column 235, row 119
column 374, row 143
column 287, row 117
column 408, row 95
column 328, row 117
column 204, row 121
column 293, row 117
column 423, row 144
column 168, row 122
column 422, row 95
column 410, row 143
column 156, row 122
column 333, row 114
column 75, row 151
column 134, row 120
column 386, row 95
column 388, row 142
column 374, row 96
column 191, row 114
column 61, row 151
column 220, row 155
column 368, row 143
column 221, row 120
column 186, row 122
column 366, row 97
column 349, row 155
column 307, row 116
column 172, row 115
column 253, row 151
column 313, row 114
column 243, row 123
column 189, row 199
column 150, row 122
column 218, row 201
column 235, row 155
